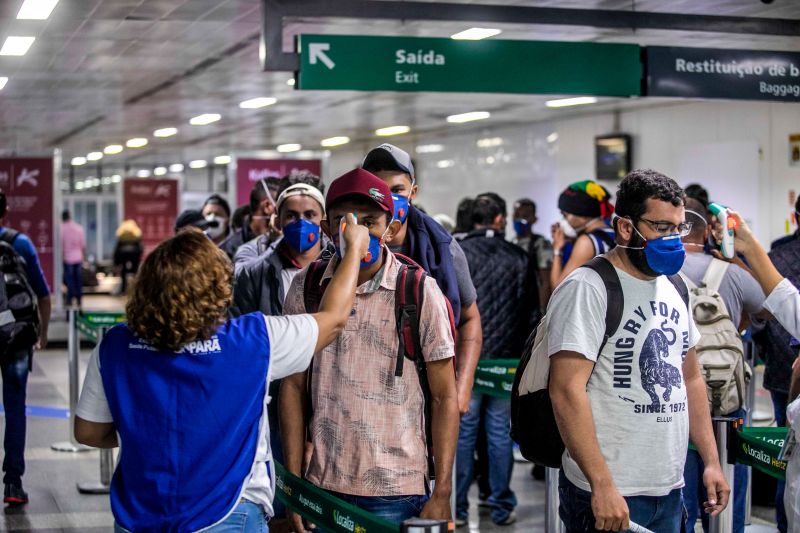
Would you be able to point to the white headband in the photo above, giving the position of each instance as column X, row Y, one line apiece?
column 302, row 189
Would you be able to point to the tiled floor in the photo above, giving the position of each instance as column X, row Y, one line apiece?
column 51, row 477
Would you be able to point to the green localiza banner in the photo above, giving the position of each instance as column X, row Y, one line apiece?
column 90, row 323
column 325, row 510
column 760, row 448
column 495, row 377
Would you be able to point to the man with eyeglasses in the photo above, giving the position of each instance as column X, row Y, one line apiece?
column 628, row 404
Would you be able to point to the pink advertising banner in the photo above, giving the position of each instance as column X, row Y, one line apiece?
column 28, row 184
column 153, row 204
column 249, row 171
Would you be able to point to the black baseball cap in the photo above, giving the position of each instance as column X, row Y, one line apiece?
column 193, row 217
column 388, row 157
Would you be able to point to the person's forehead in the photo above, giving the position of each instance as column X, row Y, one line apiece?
column 663, row 210
column 301, row 203
column 392, row 177
column 216, row 208
column 362, row 209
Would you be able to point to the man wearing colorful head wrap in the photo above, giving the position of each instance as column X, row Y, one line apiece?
column 585, row 210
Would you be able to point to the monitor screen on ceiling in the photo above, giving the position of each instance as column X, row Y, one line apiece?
column 612, row 155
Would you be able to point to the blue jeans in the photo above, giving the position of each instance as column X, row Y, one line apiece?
column 15, row 383
column 395, row 509
column 780, row 400
column 694, row 493
column 247, row 517
column 496, row 414
column 663, row 514
column 74, row 281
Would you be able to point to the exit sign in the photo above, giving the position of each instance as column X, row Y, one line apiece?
column 366, row 63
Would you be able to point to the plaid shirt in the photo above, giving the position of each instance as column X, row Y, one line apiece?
column 367, row 428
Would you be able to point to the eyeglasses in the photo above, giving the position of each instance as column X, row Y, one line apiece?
column 668, row 228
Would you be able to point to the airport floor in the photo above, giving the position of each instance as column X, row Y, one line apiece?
column 51, row 477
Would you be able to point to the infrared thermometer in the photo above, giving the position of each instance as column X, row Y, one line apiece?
column 636, row 528
column 728, row 227
column 342, row 226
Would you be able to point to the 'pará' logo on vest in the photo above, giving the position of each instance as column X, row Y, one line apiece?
column 202, row 347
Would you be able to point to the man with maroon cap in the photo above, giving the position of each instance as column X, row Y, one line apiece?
column 366, row 422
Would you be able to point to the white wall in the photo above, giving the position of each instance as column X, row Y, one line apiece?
column 740, row 147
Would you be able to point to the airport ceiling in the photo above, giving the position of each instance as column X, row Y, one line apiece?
column 104, row 71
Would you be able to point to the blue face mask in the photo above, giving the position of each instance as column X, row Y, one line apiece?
column 373, row 252
column 400, row 208
column 521, row 226
column 301, row 235
column 664, row 255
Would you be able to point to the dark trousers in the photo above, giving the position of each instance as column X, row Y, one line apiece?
column 15, row 382
column 73, row 279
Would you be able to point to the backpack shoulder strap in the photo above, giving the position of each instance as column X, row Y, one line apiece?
column 9, row 236
column 715, row 273
column 689, row 283
column 681, row 287
column 614, row 300
column 313, row 288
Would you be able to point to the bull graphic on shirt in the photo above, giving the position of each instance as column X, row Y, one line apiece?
column 654, row 368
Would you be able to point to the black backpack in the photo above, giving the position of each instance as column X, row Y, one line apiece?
column 533, row 422
column 19, row 310
column 409, row 296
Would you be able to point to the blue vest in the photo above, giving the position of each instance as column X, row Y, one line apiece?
column 188, row 424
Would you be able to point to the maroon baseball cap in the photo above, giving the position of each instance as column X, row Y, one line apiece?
column 360, row 183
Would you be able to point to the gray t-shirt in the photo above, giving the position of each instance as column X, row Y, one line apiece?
column 464, row 279
column 739, row 290
column 637, row 393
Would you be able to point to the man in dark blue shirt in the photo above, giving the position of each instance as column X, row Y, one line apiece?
column 794, row 236
column 15, row 367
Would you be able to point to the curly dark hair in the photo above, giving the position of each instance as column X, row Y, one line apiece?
column 301, row 176
column 644, row 184
column 182, row 292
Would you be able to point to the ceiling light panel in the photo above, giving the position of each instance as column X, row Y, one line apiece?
column 222, row 160
column 476, row 34
column 165, row 132
column 205, row 119
column 198, row 163
column 112, row 149
column 566, row 102
column 468, row 117
column 78, row 161
column 36, row 9
column 3, row 81
column 176, row 167
column 334, row 141
column 256, row 103
column 16, row 46
column 289, row 147
column 94, row 156
column 392, row 130
column 136, row 142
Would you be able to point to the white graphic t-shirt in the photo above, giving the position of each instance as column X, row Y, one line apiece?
column 636, row 390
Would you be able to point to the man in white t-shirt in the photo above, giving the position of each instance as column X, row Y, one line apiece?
column 627, row 414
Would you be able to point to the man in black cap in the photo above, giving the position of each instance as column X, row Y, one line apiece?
column 425, row 241
column 193, row 218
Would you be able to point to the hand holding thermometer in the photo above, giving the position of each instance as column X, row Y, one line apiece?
column 728, row 227
column 636, row 528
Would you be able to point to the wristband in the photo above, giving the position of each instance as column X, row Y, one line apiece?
column 557, row 253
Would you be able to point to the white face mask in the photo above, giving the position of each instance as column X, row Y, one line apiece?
column 569, row 231
column 220, row 229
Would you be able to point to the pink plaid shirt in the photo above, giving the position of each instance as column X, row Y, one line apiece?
column 367, row 428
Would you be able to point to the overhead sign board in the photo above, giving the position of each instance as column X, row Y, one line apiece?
column 153, row 204
column 367, row 63
column 718, row 73
column 250, row 171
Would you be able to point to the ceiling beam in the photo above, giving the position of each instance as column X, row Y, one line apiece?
column 274, row 11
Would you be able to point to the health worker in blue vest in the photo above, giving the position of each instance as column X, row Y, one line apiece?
column 183, row 391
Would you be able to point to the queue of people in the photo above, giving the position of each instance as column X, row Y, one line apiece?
column 344, row 341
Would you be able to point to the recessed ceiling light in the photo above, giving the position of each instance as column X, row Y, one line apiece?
column 143, row 173
column 116, row 178
column 445, row 163
column 489, row 142
column 222, row 160
column 468, row 117
column 198, row 163
column 165, row 132
column 176, row 167
column 476, row 34
column 429, row 148
column 106, row 181
column 136, row 142
column 205, row 119
column 255, row 103
column 112, row 149
column 566, row 102
column 16, row 46
column 3, row 81
column 79, row 186
column 335, row 141
column 78, row 161
column 553, row 137
column 392, row 130
column 36, row 9
column 289, row 147
column 160, row 171
column 94, row 156
column 290, row 82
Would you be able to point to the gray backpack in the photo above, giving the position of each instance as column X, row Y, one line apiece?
column 720, row 350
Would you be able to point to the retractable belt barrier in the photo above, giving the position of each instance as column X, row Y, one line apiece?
column 324, row 509
column 495, row 377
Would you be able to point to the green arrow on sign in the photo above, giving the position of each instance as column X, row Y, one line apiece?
column 366, row 63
